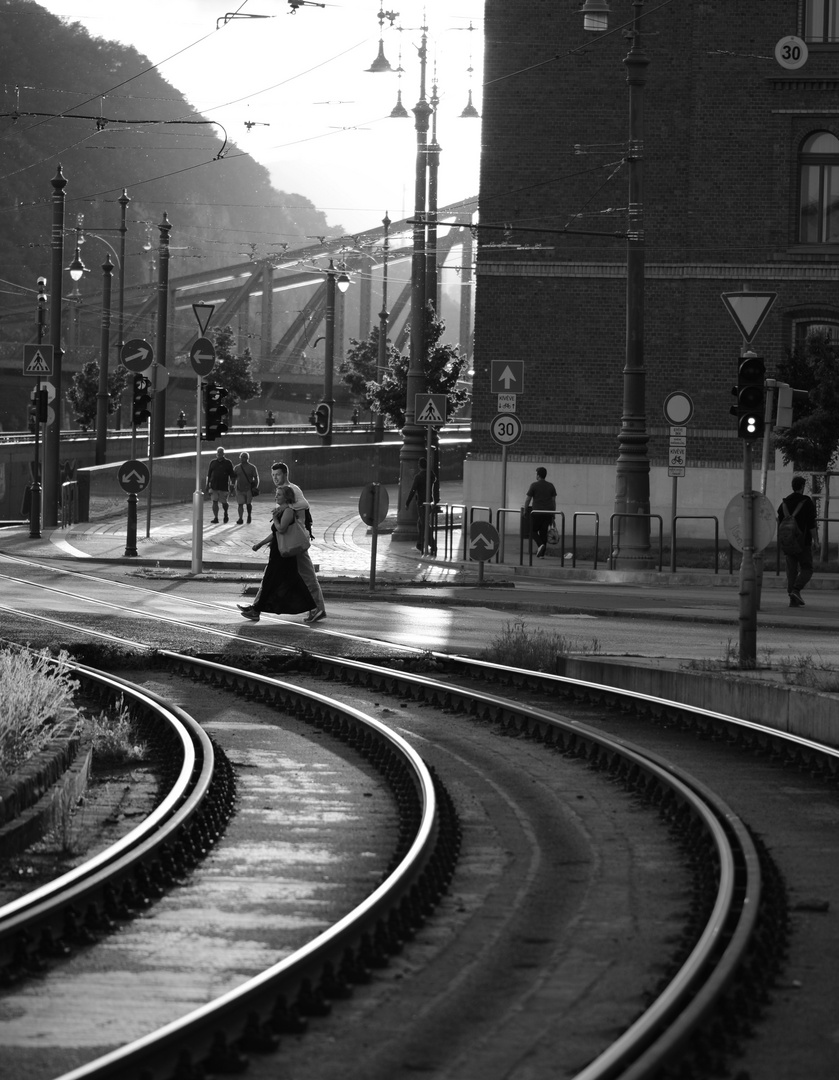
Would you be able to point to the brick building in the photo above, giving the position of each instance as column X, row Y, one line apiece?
column 740, row 190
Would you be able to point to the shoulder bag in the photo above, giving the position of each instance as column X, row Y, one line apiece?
column 293, row 540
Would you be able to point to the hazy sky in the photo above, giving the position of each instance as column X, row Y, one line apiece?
column 321, row 122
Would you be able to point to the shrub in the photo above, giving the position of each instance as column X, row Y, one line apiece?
column 36, row 692
column 116, row 736
column 537, row 650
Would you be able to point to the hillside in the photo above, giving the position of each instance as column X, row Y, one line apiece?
column 81, row 101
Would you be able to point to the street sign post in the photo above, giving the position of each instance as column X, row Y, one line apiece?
column 765, row 521
column 372, row 509
column 483, row 544
column 133, row 477
column 506, row 428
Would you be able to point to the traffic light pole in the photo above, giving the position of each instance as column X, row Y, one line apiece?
column 198, row 494
column 748, row 574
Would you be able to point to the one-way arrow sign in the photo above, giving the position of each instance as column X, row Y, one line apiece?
column 507, row 377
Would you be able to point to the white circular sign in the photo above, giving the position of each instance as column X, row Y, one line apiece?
column 791, row 53
column 678, row 408
column 505, row 428
column 764, row 519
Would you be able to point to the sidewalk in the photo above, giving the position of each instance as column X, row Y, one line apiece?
column 342, row 553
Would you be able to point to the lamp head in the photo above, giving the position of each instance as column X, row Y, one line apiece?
column 342, row 282
column 595, row 15
column 77, row 268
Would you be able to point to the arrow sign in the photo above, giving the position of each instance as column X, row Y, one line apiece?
column 483, row 541
column 202, row 356
column 134, row 477
column 748, row 309
column 507, row 377
column 137, row 355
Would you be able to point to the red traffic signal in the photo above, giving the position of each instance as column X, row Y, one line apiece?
column 141, row 400
column 216, row 411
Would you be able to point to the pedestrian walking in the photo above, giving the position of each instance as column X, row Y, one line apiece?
column 220, row 480
column 279, row 475
column 282, row 590
column 419, row 491
column 797, row 532
column 246, row 484
column 541, row 495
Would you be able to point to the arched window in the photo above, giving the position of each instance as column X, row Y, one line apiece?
column 818, row 220
column 821, row 20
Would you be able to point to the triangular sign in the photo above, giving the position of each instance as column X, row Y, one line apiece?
column 38, row 365
column 430, row 414
column 749, row 309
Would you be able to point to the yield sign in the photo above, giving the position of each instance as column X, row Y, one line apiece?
column 749, row 309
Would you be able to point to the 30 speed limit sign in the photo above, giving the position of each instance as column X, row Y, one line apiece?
column 506, row 428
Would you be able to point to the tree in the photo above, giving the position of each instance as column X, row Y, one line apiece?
column 360, row 368
column 85, row 388
column 442, row 366
column 812, row 442
column 232, row 371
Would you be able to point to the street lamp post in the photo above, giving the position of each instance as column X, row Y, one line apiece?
column 632, row 486
column 35, row 492
column 384, row 315
column 104, row 345
column 159, row 403
column 52, row 429
column 413, row 441
column 336, row 281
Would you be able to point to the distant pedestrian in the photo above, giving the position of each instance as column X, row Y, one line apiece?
column 220, row 479
column 419, row 491
column 279, row 474
column 355, row 417
column 313, row 418
column 797, row 540
column 246, row 484
column 181, row 419
column 269, row 419
column 282, row 590
column 541, row 495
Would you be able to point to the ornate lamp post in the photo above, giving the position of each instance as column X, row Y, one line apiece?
column 632, row 487
column 35, row 493
column 52, row 430
column 336, row 280
column 384, row 315
column 104, row 344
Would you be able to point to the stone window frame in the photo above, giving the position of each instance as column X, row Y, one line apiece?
column 830, row 13
column 820, row 159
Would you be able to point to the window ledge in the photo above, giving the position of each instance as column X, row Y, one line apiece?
column 809, row 253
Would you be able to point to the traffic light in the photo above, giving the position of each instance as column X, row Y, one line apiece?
column 141, row 401
column 216, row 412
column 751, row 376
column 33, row 412
column 323, row 419
column 787, row 395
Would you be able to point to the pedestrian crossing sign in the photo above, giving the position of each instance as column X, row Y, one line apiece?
column 430, row 409
column 37, row 360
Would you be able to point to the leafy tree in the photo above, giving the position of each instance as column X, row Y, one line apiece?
column 442, row 365
column 232, row 371
column 85, row 387
column 811, row 444
column 360, row 368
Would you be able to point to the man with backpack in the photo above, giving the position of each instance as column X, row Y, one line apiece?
column 797, row 533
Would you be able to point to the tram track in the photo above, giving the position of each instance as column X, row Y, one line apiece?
column 732, row 951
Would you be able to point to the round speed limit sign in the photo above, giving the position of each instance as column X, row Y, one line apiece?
column 506, row 428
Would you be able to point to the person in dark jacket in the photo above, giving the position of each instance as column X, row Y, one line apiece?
column 541, row 495
column 220, row 477
column 800, row 567
column 418, row 492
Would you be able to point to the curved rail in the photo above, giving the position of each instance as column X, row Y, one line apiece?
column 71, row 909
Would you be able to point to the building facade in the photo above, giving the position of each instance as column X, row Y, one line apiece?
column 740, row 167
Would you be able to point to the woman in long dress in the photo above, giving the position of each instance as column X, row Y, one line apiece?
column 282, row 591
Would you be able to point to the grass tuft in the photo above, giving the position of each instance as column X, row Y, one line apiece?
column 36, row 691
column 116, row 737
column 537, row 650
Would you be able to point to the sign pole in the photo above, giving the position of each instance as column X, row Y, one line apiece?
column 375, row 542
column 198, row 494
column 748, row 577
column 426, row 525
column 502, row 525
column 35, row 493
column 131, row 528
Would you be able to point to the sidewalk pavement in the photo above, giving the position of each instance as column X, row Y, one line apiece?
column 342, row 555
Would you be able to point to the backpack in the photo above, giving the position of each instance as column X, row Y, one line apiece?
column 790, row 536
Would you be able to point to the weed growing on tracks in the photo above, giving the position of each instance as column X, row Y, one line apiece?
column 803, row 670
column 537, row 650
column 37, row 694
column 116, row 737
